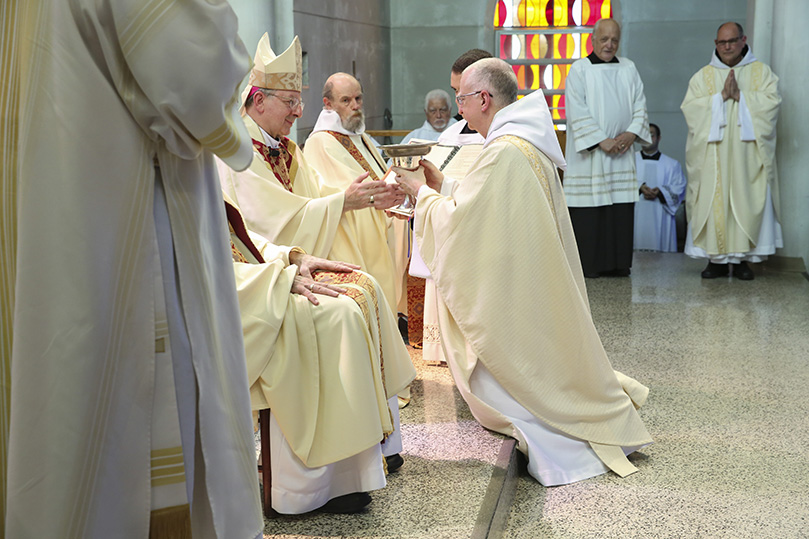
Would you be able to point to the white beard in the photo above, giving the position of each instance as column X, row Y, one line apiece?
column 354, row 123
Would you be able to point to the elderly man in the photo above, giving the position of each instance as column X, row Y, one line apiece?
column 539, row 375
column 280, row 195
column 339, row 150
column 318, row 338
column 130, row 414
column 662, row 186
column 606, row 112
column 732, row 200
column 437, row 108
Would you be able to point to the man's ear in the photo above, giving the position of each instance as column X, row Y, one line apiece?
column 487, row 101
column 258, row 101
column 327, row 103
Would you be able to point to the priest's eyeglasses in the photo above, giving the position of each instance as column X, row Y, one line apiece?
column 461, row 98
column 724, row 42
column 292, row 103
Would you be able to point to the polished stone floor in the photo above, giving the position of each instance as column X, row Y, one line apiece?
column 727, row 363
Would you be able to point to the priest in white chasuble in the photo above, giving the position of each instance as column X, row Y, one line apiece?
column 340, row 150
column 660, row 194
column 280, row 195
column 514, row 315
column 732, row 202
column 324, row 355
column 130, row 411
column 606, row 112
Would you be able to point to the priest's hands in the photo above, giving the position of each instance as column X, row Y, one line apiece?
column 434, row 177
column 411, row 180
column 649, row 193
column 731, row 89
column 618, row 145
column 304, row 283
column 377, row 194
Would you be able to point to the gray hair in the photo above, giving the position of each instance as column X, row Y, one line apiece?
column 438, row 93
column 496, row 77
column 597, row 25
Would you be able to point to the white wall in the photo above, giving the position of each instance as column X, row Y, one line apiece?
column 789, row 63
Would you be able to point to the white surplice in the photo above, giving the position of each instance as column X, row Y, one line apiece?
column 602, row 101
column 123, row 276
column 427, row 132
column 655, row 227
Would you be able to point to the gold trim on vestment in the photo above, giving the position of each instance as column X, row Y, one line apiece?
column 170, row 523
column 530, row 152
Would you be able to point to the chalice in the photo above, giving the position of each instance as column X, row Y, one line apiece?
column 405, row 156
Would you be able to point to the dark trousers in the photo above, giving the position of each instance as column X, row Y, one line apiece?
column 604, row 235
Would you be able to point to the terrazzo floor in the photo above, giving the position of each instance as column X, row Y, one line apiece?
column 727, row 363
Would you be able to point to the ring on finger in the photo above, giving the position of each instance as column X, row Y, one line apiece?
column 372, row 199
column 312, row 287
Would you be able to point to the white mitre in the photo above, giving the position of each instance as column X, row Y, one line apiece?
column 281, row 72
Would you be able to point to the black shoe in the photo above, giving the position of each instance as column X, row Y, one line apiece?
column 403, row 329
column 712, row 271
column 394, row 462
column 743, row 272
column 347, row 503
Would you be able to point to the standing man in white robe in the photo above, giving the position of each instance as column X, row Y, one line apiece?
column 661, row 191
column 606, row 112
column 437, row 108
column 732, row 202
column 324, row 356
column 129, row 406
column 515, row 323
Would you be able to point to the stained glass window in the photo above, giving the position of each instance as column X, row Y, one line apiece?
column 542, row 38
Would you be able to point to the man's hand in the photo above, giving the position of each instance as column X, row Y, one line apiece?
column 624, row 142
column 304, row 283
column 434, row 177
column 309, row 287
column 731, row 89
column 608, row 146
column 648, row 193
column 377, row 194
column 410, row 180
column 308, row 264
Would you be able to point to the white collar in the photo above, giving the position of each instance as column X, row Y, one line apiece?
column 529, row 119
column 329, row 120
column 748, row 59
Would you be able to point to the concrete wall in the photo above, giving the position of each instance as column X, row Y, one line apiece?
column 350, row 36
column 426, row 38
column 789, row 63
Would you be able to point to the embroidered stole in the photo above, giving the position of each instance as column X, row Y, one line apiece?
column 280, row 161
column 346, row 142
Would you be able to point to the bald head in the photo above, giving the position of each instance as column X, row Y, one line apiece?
column 486, row 86
column 342, row 93
column 730, row 41
column 606, row 38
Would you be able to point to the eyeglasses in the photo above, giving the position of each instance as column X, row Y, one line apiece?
column 724, row 42
column 460, row 98
column 292, row 103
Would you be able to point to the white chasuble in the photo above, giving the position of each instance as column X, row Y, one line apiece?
column 536, row 339
column 338, row 167
column 602, row 101
column 120, row 289
column 373, row 230
column 730, row 173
